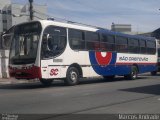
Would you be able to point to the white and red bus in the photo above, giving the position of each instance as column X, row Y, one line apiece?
column 48, row 50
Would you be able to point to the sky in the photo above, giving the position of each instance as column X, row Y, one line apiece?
column 143, row 15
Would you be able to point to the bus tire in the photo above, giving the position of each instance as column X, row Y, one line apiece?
column 72, row 76
column 153, row 73
column 46, row 82
column 134, row 73
column 109, row 77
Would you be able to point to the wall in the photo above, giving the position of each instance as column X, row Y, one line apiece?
column 4, row 63
column 4, row 55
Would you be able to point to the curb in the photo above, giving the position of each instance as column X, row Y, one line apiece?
column 5, row 81
column 14, row 81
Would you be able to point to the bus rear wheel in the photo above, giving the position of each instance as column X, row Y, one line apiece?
column 72, row 76
column 134, row 73
column 153, row 73
column 46, row 82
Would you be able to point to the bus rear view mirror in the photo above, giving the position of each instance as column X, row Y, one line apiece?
column 6, row 40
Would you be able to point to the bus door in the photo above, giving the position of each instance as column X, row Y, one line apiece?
column 52, row 48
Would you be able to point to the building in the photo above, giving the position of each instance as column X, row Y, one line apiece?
column 14, row 13
column 121, row 27
column 156, row 33
column 3, row 8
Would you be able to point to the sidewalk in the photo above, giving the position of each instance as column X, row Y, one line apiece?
column 5, row 81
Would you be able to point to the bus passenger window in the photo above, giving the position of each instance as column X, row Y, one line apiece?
column 54, row 41
column 121, row 44
column 151, row 47
column 76, row 39
column 92, row 41
column 133, row 45
column 142, row 46
column 107, row 42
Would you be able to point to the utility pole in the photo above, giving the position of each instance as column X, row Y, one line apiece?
column 31, row 9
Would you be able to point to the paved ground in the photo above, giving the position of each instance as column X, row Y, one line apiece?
column 92, row 96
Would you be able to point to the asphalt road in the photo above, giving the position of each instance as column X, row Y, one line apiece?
column 92, row 96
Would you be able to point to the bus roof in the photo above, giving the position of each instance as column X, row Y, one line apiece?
column 82, row 26
column 125, row 35
column 68, row 25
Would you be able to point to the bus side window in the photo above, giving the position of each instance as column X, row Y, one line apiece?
column 121, row 44
column 107, row 42
column 133, row 45
column 92, row 41
column 55, row 41
column 76, row 39
column 151, row 47
column 142, row 46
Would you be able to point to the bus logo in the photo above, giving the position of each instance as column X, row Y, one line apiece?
column 102, row 61
column 103, row 58
column 54, row 72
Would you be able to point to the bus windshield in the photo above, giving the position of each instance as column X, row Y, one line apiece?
column 25, row 43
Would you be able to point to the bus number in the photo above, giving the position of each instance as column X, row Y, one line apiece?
column 54, row 72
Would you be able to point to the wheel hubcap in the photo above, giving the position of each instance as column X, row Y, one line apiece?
column 134, row 74
column 73, row 76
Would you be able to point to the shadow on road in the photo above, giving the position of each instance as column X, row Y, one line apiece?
column 152, row 89
column 28, row 86
column 103, row 80
column 58, row 84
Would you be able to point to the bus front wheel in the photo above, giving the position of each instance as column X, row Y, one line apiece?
column 72, row 76
column 46, row 82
